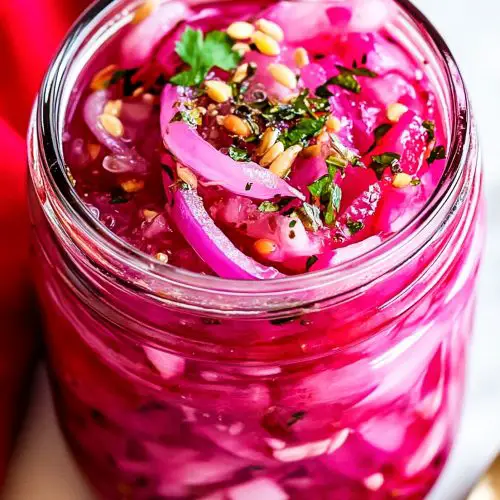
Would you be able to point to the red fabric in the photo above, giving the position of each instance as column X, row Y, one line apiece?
column 30, row 32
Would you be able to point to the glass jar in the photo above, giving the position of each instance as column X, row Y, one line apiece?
column 345, row 383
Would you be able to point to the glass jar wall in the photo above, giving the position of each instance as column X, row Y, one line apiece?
column 341, row 384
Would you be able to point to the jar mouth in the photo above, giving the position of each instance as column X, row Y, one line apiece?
column 50, row 113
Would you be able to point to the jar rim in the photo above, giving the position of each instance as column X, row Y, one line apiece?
column 341, row 278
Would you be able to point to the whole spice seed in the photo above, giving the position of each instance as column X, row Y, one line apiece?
column 102, row 78
column 112, row 125
column 270, row 28
column 395, row 111
column 113, row 107
column 132, row 186
column 284, row 75
column 145, row 10
column 218, row 91
column 149, row 215
column 333, row 124
column 265, row 247
column 240, row 30
column 237, row 126
column 162, row 257
column 312, row 151
column 138, row 92
column 240, row 73
column 301, row 57
column 185, row 175
column 266, row 44
column 94, row 150
column 402, row 180
column 241, row 48
column 268, row 140
column 282, row 165
column 272, row 154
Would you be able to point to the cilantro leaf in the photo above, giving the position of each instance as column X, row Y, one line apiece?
column 218, row 51
column 202, row 55
column 438, row 153
column 238, row 154
column 335, row 197
column 303, row 132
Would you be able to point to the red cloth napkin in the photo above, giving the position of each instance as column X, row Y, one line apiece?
column 30, row 33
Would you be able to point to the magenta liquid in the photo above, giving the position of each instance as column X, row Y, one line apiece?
column 340, row 384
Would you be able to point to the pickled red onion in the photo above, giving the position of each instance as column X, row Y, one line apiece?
column 208, row 241
column 246, row 179
column 125, row 156
column 138, row 46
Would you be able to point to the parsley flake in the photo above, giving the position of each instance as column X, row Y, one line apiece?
column 346, row 79
column 438, row 153
column 385, row 160
column 269, row 206
column 354, row 226
column 430, row 126
column 303, row 132
column 238, row 154
column 295, row 417
column 311, row 261
column 203, row 54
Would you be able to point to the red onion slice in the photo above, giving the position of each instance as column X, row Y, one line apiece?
column 246, row 179
column 126, row 158
column 208, row 241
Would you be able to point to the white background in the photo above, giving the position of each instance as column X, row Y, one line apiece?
column 43, row 471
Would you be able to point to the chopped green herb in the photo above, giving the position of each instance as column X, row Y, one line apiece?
column 204, row 54
column 238, row 154
column 318, row 187
column 344, row 152
column 358, row 71
column 381, row 130
column 354, row 226
column 303, row 132
column 430, row 126
column 310, row 216
column 329, row 193
column 385, row 160
column 269, row 206
column 335, row 162
column 118, row 196
column 311, row 261
column 292, row 224
column 334, row 199
column 248, row 186
column 124, row 76
column 191, row 116
column 345, row 79
column 415, row 182
column 295, row 417
column 438, row 153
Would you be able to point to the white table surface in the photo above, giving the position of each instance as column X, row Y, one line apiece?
column 42, row 469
